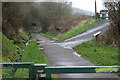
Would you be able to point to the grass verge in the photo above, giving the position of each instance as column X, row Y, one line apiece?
column 29, row 53
column 99, row 55
column 77, row 30
column 33, row 54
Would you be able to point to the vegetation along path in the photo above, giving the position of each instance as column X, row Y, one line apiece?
column 62, row 54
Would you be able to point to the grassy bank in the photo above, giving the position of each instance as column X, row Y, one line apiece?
column 9, row 50
column 29, row 53
column 72, row 32
column 77, row 30
column 33, row 54
column 99, row 55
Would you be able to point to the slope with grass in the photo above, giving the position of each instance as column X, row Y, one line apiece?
column 98, row 54
column 78, row 30
column 29, row 53
column 73, row 32
column 33, row 54
column 9, row 50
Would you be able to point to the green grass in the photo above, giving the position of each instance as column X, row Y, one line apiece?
column 99, row 70
column 99, row 55
column 72, row 32
column 78, row 30
column 49, row 35
column 9, row 50
column 55, row 77
column 31, row 54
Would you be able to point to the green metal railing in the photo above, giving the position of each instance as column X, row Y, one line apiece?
column 80, row 69
column 33, row 68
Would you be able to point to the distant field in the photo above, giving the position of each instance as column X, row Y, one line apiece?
column 99, row 55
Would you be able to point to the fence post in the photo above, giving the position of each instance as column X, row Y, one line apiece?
column 32, row 72
column 48, row 75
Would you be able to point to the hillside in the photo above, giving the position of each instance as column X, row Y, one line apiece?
column 82, row 12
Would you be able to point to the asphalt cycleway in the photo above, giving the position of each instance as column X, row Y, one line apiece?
column 62, row 54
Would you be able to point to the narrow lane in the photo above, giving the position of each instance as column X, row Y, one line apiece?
column 86, row 36
column 62, row 54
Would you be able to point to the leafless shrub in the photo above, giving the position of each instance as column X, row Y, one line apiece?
column 113, row 34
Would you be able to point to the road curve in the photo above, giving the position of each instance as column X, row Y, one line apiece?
column 87, row 36
column 62, row 54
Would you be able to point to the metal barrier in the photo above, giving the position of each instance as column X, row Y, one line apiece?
column 80, row 69
column 41, row 68
column 32, row 67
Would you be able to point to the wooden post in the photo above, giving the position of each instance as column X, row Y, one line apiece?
column 34, row 68
column 96, row 35
column 95, row 10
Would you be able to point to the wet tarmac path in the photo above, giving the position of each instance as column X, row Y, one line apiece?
column 62, row 54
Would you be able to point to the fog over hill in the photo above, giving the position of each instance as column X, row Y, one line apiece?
column 82, row 12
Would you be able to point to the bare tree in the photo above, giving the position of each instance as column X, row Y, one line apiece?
column 50, row 13
column 113, row 6
column 16, row 15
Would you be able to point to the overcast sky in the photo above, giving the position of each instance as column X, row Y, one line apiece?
column 88, row 5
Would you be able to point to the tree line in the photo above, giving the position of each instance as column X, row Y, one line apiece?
column 113, row 34
column 29, row 15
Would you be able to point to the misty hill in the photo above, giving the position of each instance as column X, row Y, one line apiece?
column 82, row 12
